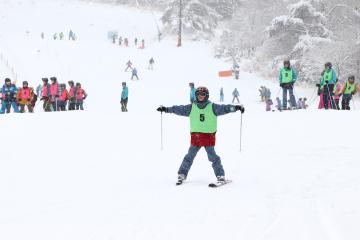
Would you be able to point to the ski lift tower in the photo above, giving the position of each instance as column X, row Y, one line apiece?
column 180, row 23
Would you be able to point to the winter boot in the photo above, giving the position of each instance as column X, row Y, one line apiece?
column 181, row 178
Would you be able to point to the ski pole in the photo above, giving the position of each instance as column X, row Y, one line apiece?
column 241, row 130
column 161, row 132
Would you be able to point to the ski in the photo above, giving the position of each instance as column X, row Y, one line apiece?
column 179, row 182
column 219, row 184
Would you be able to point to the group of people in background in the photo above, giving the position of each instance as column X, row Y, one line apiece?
column 235, row 94
column 125, row 41
column 330, row 88
column 61, row 36
column 55, row 96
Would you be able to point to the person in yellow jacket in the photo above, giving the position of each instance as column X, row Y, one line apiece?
column 25, row 97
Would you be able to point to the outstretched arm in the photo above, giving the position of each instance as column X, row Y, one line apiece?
column 182, row 110
column 225, row 109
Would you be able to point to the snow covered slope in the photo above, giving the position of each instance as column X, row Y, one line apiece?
column 99, row 174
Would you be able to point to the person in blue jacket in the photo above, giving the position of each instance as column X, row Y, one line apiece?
column 124, row 97
column 287, row 78
column 9, row 92
column 203, row 127
column 134, row 74
column 192, row 92
column 327, row 83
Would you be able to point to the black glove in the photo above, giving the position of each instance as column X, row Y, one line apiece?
column 326, row 82
column 240, row 108
column 162, row 109
column 281, row 85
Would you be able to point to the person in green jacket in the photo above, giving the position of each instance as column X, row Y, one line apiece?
column 287, row 78
column 327, row 83
column 350, row 88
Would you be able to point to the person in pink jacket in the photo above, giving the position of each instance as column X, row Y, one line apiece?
column 54, row 93
column 80, row 96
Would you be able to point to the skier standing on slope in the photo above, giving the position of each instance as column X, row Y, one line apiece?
column 124, row 97
column 80, row 96
column 287, row 78
column 203, row 126
column 8, row 92
column 350, row 88
column 327, row 83
column 25, row 97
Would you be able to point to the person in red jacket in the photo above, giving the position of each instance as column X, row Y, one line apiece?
column 80, row 96
column 72, row 100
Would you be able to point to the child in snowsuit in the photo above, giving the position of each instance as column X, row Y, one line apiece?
column 128, row 65
column 124, row 97
column 25, row 98
column 134, row 74
column 203, row 126
column 269, row 103
column 235, row 94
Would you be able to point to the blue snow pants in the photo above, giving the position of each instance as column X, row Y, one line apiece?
column 189, row 158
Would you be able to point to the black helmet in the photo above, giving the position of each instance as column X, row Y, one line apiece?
column 328, row 64
column 71, row 83
column 202, row 91
column 45, row 80
column 287, row 62
column 78, row 84
column 7, row 80
column 25, row 83
column 352, row 77
column 191, row 84
column 123, row 83
column 53, row 79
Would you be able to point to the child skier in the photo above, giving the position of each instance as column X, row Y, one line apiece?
column 203, row 126
column 124, row 97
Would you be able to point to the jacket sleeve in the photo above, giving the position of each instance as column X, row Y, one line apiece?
column 294, row 75
column 333, row 76
column 280, row 76
column 182, row 110
column 223, row 109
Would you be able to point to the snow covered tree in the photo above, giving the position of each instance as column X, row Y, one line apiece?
column 198, row 19
column 297, row 34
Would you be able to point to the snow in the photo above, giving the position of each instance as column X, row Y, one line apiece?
column 99, row 174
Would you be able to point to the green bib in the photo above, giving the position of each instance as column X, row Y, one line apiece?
column 203, row 120
column 350, row 88
column 328, row 75
column 287, row 75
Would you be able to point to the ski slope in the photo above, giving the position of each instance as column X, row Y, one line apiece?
column 100, row 174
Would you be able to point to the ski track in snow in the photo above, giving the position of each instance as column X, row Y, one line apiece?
column 100, row 174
